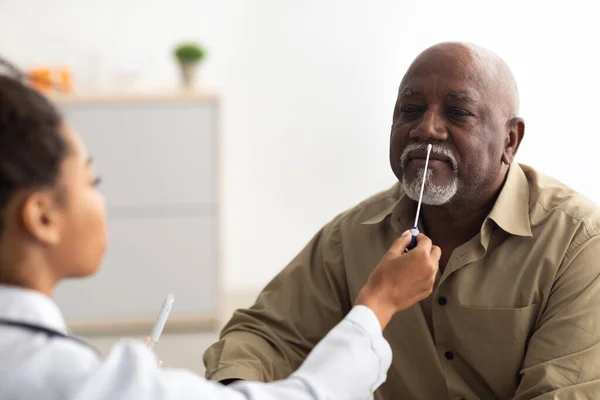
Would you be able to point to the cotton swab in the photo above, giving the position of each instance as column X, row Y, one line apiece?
column 414, row 231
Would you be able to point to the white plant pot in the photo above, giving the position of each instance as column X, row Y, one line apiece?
column 189, row 72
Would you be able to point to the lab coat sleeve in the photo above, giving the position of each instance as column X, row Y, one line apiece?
column 349, row 363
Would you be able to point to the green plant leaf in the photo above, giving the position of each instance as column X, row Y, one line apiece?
column 189, row 52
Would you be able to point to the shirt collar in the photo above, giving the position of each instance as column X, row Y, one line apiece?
column 380, row 217
column 401, row 213
column 510, row 211
column 30, row 306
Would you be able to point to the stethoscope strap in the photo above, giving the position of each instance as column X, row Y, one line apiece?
column 42, row 329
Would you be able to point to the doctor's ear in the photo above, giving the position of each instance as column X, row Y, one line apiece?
column 42, row 216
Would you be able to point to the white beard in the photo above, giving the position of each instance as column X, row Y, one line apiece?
column 433, row 195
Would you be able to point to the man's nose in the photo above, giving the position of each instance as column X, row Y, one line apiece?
column 430, row 128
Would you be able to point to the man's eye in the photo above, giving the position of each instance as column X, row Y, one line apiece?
column 459, row 112
column 409, row 109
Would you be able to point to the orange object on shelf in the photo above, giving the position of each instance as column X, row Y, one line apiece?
column 51, row 79
column 41, row 79
column 66, row 81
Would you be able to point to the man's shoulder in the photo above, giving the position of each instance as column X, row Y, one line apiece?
column 551, row 198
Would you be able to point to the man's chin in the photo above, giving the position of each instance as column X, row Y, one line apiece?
column 435, row 183
column 434, row 194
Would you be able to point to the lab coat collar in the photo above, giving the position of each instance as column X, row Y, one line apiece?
column 30, row 306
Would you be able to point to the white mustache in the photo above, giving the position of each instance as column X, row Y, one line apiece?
column 435, row 149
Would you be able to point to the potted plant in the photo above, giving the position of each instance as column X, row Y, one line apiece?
column 189, row 56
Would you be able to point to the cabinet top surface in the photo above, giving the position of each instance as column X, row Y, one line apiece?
column 173, row 96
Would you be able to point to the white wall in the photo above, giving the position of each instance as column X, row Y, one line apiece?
column 308, row 89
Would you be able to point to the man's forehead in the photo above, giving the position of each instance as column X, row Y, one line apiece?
column 461, row 71
column 452, row 71
column 456, row 76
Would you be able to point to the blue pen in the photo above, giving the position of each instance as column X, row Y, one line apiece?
column 414, row 231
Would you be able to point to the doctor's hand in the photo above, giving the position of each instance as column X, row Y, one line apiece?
column 402, row 278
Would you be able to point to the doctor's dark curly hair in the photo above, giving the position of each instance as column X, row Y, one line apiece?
column 32, row 146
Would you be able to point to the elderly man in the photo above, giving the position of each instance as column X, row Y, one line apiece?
column 515, row 309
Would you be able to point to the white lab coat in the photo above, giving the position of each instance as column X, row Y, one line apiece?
column 349, row 363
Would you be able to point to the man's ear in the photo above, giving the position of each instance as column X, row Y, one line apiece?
column 516, row 131
column 42, row 217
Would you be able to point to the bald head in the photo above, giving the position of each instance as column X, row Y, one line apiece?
column 470, row 63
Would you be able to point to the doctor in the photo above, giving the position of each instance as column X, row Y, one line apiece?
column 52, row 227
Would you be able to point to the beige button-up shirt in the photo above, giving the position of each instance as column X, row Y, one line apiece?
column 515, row 314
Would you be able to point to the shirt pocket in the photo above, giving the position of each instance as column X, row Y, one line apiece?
column 493, row 342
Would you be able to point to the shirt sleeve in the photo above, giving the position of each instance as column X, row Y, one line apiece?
column 563, row 355
column 349, row 363
column 293, row 313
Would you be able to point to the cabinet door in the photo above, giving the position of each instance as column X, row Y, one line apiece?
column 148, row 258
column 150, row 154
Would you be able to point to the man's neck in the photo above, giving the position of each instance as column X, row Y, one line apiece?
column 455, row 224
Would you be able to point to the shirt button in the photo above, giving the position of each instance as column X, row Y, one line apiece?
column 442, row 301
column 449, row 355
